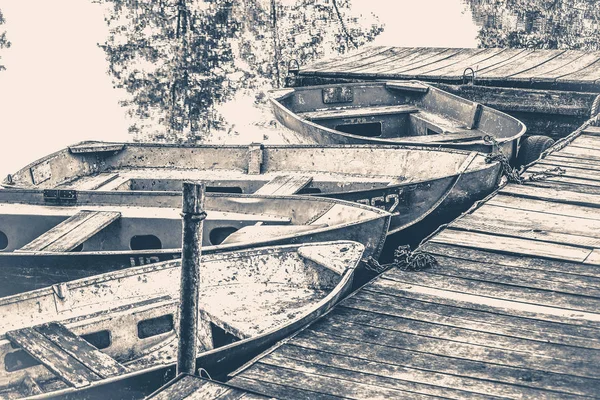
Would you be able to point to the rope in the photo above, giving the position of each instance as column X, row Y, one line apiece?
column 512, row 174
column 417, row 260
column 595, row 107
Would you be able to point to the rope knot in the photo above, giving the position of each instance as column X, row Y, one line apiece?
column 417, row 260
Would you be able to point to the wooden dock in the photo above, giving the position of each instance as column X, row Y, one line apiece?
column 512, row 310
column 557, row 69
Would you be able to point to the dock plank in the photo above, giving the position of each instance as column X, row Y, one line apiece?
column 522, row 381
column 531, row 60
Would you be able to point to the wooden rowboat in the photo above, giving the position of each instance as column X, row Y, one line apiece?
column 409, row 113
column 408, row 182
column 48, row 239
column 248, row 300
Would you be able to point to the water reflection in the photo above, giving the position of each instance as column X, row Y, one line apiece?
column 549, row 24
column 179, row 59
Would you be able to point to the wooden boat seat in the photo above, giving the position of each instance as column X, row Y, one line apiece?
column 357, row 112
column 104, row 181
column 95, row 147
column 284, row 185
column 262, row 232
column 71, row 358
column 72, row 232
column 251, row 309
column 457, row 136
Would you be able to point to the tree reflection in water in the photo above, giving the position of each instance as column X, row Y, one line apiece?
column 548, row 24
column 179, row 59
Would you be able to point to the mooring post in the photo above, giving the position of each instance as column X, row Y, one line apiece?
column 193, row 216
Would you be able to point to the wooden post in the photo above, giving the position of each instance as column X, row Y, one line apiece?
column 193, row 214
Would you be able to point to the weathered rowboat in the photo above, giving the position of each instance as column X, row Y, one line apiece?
column 408, row 113
column 248, row 300
column 46, row 239
column 408, row 182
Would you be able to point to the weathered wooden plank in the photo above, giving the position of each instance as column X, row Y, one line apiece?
column 376, row 58
column 53, row 234
column 549, row 195
column 533, row 316
column 559, row 282
column 402, row 304
column 325, row 384
column 455, row 70
column 505, row 58
column 179, row 389
column 562, row 303
column 100, row 363
column 547, row 207
column 501, row 58
column 427, row 62
column 512, row 245
column 360, row 371
column 83, row 231
column 580, row 152
column 558, row 184
column 92, row 182
column 461, row 55
column 523, row 379
column 72, row 232
column 95, row 147
column 486, row 257
column 456, row 334
column 458, row 351
column 59, row 362
column 462, row 135
column 532, row 60
column 586, row 140
column 580, row 63
column 418, row 55
column 589, row 74
column 550, row 231
column 358, row 112
column 279, row 390
column 548, row 70
column 284, row 185
column 456, row 386
column 338, row 61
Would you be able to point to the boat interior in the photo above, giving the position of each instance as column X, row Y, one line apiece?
column 260, row 169
column 34, row 221
column 403, row 111
column 130, row 316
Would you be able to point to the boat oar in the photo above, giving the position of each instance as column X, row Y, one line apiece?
column 193, row 216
